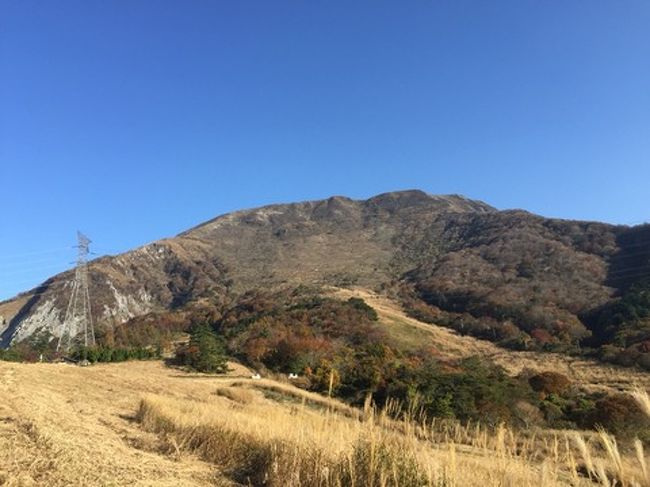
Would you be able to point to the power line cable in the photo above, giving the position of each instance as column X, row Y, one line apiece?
column 41, row 252
column 22, row 263
column 30, row 270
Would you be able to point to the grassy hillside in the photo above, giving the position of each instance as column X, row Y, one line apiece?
column 410, row 332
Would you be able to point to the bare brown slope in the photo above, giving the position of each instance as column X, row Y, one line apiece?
column 328, row 241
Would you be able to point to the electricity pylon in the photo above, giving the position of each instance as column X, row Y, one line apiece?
column 78, row 321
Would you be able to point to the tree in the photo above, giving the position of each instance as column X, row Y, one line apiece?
column 205, row 352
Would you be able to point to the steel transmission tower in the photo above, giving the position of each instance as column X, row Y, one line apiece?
column 78, row 322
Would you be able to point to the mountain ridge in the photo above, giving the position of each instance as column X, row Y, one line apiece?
column 411, row 194
column 448, row 254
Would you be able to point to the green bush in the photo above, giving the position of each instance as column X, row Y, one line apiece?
column 109, row 354
column 205, row 352
column 360, row 305
column 11, row 355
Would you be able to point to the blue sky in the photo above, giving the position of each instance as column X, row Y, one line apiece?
column 134, row 120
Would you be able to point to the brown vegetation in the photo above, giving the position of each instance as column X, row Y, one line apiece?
column 549, row 382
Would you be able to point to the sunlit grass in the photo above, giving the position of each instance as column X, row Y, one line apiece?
column 269, row 443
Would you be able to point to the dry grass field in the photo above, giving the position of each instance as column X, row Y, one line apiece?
column 65, row 425
column 142, row 423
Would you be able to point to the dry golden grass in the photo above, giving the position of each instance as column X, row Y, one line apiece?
column 62, row 425
column 265, row 443
column 8, row 309
column 642, row 397
column 140, row 423
column 236, row 394
column 305, row 397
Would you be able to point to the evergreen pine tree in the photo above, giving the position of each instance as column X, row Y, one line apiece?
column 206, row 351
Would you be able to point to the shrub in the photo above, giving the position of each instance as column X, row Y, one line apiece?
column 549, row 383
column 11, row 355
column 110, row 354
column 620, row 414
column 360, row 305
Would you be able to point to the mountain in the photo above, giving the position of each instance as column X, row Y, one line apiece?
column 510, row 276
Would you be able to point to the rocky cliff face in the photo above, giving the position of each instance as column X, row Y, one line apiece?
column 440, row 246
column 158, row 276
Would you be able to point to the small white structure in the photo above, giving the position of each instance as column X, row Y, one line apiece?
column 293, row 376
column 256, row 376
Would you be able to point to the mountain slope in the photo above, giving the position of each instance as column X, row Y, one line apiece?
column 589, row 375
column 508, row 275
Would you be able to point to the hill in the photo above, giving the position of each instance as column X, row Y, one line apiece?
column 522, row 280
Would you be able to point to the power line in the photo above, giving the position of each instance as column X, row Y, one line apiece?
column 32, row 270
column 22, row 263
column 38, row 252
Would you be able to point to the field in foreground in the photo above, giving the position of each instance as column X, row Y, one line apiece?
column 140, row 423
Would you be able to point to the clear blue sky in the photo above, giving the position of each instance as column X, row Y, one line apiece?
column 133, row 120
